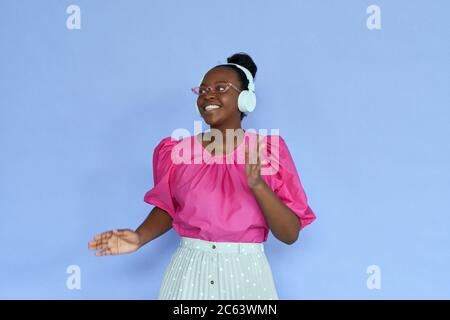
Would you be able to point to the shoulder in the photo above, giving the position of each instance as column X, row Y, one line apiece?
column 163, row 149
column 167, row 143
column 275, row 143
column 273, row 138
column 279, row 158
column 269, row 139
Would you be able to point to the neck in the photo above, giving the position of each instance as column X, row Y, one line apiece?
column 234, row 134
column 223, row 129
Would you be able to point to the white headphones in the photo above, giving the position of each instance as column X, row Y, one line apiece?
column 247, row 98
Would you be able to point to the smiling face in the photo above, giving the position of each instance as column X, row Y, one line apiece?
column 228, row 114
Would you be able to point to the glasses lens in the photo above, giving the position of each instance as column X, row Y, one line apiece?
column 218, row 87
column 221, row 87
column 197, row 90
column 202, row 90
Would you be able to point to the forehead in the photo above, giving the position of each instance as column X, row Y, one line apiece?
column 220, row 74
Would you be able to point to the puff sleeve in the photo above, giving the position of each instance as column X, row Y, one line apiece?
column 285, row 181
column 161, row 195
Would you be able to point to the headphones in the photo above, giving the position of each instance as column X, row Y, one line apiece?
column 247, row 98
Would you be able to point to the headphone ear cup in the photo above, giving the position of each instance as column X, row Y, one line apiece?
column 247, row 101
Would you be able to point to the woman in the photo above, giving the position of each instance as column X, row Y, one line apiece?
column 221, row 207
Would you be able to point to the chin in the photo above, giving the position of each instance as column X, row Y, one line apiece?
column 214, row 120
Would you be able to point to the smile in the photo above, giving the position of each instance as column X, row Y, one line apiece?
column 211, row 107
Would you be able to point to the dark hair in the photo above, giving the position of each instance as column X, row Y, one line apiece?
column 242, row 59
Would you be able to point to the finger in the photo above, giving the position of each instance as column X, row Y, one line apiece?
column 246, row 153
column 94, row 241
column 103, row 243
column 258, row 152
column 121, row 232
column 260, row 143
column 257, row 160
column 247, row 161
column 257, row 142
column 98, row 246
column 255, row 171
column 107, row 251
column 248, row 170
column 97, row 242
column 255, row 148
column 107, row 235
column 104, row 252
column 93, row 244
column 103, row 235
column 258, row 149
column 253, row 156
column 263, row 153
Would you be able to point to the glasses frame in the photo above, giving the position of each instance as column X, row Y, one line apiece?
column 196, row 90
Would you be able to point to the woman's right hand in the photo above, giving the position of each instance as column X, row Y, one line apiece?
column 115, row 242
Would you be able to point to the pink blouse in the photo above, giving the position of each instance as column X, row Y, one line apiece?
column 208, row 196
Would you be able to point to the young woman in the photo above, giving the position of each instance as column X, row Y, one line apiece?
column 221, row 207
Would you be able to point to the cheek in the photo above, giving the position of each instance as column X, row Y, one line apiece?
column 199, row 100
column 229, row 100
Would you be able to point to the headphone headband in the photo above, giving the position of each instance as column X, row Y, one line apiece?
column 248, row 74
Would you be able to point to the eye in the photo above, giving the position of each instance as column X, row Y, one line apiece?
column 202, row 90
column 220, row 87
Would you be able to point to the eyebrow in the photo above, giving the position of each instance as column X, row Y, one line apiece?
column 202, row 84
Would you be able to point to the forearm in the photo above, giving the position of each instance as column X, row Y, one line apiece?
column 156, row 224
column 282, row 221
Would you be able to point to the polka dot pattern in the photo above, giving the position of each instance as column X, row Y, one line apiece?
column 202, row 269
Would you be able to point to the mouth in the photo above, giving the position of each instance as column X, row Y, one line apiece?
column 211, row 108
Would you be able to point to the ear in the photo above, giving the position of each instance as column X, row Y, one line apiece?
column 247, row 101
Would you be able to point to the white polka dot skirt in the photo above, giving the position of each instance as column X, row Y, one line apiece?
column 205, row 270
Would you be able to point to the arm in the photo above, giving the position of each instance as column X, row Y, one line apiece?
column 156, row 224
column 283, row 223
column 123, row 241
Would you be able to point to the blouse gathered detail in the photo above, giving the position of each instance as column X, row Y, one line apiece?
column 207, row 195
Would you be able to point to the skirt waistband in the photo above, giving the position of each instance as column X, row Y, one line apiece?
column 222, row 247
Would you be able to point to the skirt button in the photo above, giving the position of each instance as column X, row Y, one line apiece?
column 213, row 246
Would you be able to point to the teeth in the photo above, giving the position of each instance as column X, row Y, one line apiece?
column 212, row 107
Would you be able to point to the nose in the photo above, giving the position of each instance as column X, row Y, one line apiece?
column 209, row 93
column 210, row 96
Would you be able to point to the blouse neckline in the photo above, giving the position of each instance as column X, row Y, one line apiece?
column 196, row 137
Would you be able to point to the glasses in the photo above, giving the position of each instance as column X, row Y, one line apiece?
column 219, row 87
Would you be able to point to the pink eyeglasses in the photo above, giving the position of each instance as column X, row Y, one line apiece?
column 219, row 87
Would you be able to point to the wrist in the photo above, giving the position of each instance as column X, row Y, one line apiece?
column 140, row 239
column 258, row 186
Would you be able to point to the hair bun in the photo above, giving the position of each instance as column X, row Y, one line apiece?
column 243, row 59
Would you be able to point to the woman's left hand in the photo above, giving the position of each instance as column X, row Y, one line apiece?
column 253, row 164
